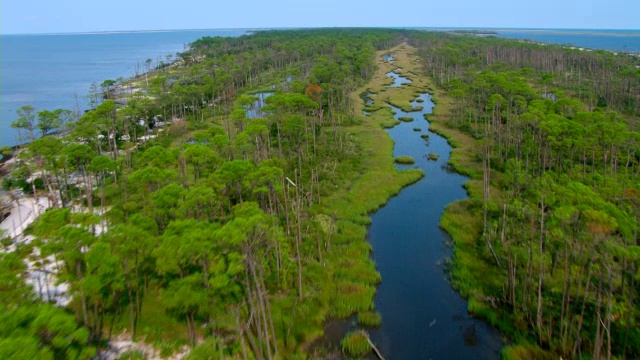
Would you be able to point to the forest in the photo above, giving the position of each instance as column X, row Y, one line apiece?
column 219, row 203
column 181, row 219
column 551, row 141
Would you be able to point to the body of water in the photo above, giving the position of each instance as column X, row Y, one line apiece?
column 614, row 40
column 423, row 317
column 52, row 71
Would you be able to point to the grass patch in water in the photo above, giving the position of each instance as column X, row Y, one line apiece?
column 405, row 118
column 369, row 318
column 433, row 157
column 417, row 129
column 405, row 160
column 355, row 344
column 425, row 136
column 420, row 100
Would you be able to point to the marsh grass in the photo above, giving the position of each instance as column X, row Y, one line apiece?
column 347, row 279
column 369, row 318
column 405, row 160
column 526, row 352
column 355, row 344
column 405, row 118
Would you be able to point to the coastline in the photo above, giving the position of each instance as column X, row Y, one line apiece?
column 50, row 71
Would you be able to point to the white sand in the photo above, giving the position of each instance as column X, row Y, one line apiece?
column 24, row 212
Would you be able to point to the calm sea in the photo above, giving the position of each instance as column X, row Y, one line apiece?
column 49, row 71
column 615, row 40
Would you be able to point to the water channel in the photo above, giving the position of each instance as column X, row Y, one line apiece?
column 423, row 317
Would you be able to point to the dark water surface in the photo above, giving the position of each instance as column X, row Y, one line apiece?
column 423, row 317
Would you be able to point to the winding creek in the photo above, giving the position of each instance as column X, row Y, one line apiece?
column 423, row 317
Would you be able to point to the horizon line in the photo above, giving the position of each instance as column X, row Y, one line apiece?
column 108, row 32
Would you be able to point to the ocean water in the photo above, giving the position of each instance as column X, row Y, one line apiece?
column 51, row 71
column 614, row 40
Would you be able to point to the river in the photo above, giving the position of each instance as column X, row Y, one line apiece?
column 423, row 317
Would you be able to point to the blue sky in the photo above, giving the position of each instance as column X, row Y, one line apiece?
column 51, row 16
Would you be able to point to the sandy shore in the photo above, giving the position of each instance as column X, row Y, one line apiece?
column 25, row 211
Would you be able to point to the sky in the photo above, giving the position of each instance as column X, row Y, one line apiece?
column 62, row 16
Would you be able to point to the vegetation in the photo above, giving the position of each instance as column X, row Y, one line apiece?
column 546, row 246
column 433, row 156
column 181, row 218
column 356, row 344
column 370, row 319
column 30, row 329
column 405, row 160
column 203, row 212
column 405, row 118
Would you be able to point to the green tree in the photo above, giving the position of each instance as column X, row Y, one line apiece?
column 48, row 121
column 26, row 121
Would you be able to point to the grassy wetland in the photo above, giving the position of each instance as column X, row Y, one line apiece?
column 414, row 298
column 181, row 219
